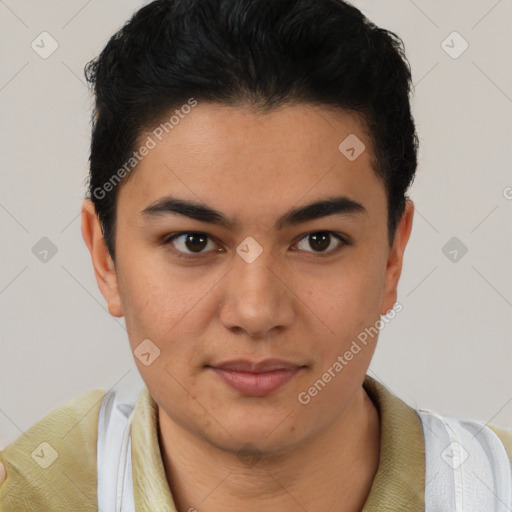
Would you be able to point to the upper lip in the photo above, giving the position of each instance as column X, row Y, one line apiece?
column 267, row 365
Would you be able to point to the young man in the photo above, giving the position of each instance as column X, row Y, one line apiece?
column 247, row 216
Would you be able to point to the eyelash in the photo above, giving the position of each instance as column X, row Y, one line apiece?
column 167, row 241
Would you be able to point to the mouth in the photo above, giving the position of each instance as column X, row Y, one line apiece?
column 256, row 378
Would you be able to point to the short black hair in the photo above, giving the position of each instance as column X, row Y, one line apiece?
column 259, row 53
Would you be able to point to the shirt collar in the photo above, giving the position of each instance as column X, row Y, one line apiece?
column 399, row 483
column 400, row 480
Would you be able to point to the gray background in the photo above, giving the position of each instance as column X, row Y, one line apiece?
column 449, row 349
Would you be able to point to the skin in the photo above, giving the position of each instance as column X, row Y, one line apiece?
column 290, row 303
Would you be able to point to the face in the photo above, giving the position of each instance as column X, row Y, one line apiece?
column 260, row 279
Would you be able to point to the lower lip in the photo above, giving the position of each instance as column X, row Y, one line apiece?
column 256, row 384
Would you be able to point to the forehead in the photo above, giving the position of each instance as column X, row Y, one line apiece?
column 298, row 129
column 236, row 159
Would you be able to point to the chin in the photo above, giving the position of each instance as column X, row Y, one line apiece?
column 272, row 436
column 251, row 448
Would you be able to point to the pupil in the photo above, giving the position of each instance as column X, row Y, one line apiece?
column 321, row 239
column 193, row 244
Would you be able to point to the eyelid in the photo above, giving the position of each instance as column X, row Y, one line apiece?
column 342, row 238
column 167, row 241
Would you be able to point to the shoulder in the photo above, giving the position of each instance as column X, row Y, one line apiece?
column 53, row 463
column 505, row 435
column 497, row 441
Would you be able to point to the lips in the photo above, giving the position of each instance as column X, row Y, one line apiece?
column 244, row 365
column 256, row 378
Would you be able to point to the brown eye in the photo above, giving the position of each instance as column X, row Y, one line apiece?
column 190, row 243
column 196, row 242
column 319, row 241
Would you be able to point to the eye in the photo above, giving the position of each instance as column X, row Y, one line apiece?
column 189, row 243
column 320, row 241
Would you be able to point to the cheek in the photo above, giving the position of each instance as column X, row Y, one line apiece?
column 150, row 297
column 157, row 308
column 165, row 303
column 352, row 299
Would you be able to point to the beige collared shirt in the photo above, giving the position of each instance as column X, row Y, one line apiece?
column 52, row 466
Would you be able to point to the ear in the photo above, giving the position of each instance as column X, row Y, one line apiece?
column 102, row 262
column 395, row 258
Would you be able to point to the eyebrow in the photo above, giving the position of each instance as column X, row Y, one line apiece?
column 169, row 205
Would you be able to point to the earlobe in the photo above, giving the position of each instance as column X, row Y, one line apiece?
column 103, row 265
column 396, row 256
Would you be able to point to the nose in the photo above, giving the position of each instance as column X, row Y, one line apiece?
column 258, row 301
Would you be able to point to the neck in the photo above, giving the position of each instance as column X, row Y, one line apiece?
column 333, row 472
